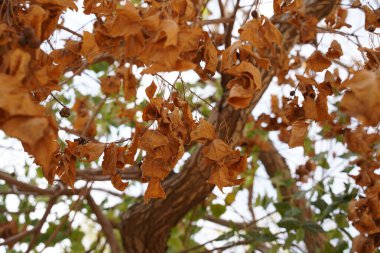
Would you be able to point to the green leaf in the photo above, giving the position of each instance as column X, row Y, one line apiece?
column 341, row 220
column 300, row 234
column 313, row 227
column 225, row 236
column 290, row 223
column 217, row 210
column 282, row 207
column 99, row 66
column 292, row 212
column 230, row 198
column 260, row 236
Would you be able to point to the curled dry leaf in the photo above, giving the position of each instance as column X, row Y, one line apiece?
column 242, row 87
column 129, row 156
column 118, row 183
column 114, row 158
column 226, row 164
column 226, row 174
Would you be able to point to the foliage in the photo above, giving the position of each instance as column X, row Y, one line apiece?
column 97, row 105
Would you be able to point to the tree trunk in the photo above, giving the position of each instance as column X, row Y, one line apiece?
column 146, row 227
column 276, row 165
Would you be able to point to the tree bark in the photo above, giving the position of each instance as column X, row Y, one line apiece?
column 146, row 227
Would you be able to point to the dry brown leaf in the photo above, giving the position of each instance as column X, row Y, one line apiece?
column 210, row 57
column 260, row 32
column 310, row 108
column 61, row 4
column 126, row 23
column 7, row 230
column 225, row 174
column 298, row 134
column 109, row 160
column 308, row 29
column 203, row 132
column 154, row 190
column 149, row 91
column 89, row 47
column 91, row 151
column 66, row 169
column 334, row 51
column 110, row 85
column 168, row 32
column 118, row 183
column 317, row 62
column 217, row 150
column 129, row 82
column 362, row 244
column 154, row 168
column 132, row 148
column 372, row 18
column 153, row 110
column 239, row 97
column 337, row 19
column 247, row 80
column 362, row 100
column 151, row 140
column 27, row 129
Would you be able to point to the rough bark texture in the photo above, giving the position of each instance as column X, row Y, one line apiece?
column 146, row 227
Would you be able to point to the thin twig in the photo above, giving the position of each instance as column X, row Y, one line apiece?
column 59, row 26
column 84, row 191
column 95, row 113
column 227, row 38
column 37, row 229
column 192, row 92
column 217, row 21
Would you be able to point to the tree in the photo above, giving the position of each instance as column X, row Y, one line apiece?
column 136, row 128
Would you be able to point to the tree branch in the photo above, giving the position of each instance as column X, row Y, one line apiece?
column 105, row 223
